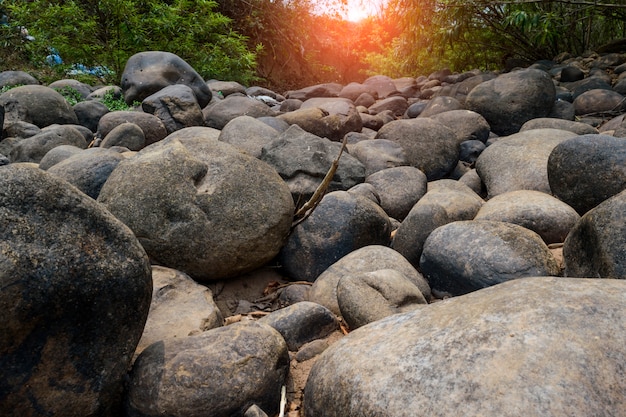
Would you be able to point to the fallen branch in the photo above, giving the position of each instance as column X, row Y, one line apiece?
column 305, row 211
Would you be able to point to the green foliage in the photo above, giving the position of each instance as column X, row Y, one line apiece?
column 116, row 102
column 70, row 94
column 107, row 32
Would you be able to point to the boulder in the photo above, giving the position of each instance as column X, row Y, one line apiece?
column 318, row 90
column 396, row 104
column 519, row 161
column 127, row 135
column 58, row 154
column 226, row 88
column 378, row 154
column 301, row 323
column 16, row 78
column 72, row 85
column 444, row 202
column 176, row 106
column 153, row 128
column 467, row 125
column 599, row 101
column 353, row 90
column 369, row 296
column 341, row 223
column 440, row 104
column 89, row 113
column 214, row 212
column 76, row 288
column 330, row 118
column 218, row 114
column 220, row 372
column 399, row 189
column 570, row 74
column 534, row 347
column 470, row 150
column 147, row 72
column 590, row 83
column 302, row 159
column 552, row 123
column 429, row 145
column 510, row 100
column 248, row 134
column 87, row 170
column 542, row 213
column 36, row 104
column 588, row 169
column 465, row 256
column 180, row 307
column 364, row 260
column 596, row 245
column 382, row 85
column 34, row 148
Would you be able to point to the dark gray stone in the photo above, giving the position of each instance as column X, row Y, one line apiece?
column 36, row 104
column 599, row 101
column 399, row 189
column 11, row 78
column 76, row 288
column 542, row 213
column 465, row 256
column 147, row 72
column 366, row 259
column 509, row 101
column 467, row 125
column 87, row 170
column 176, row 106
column 570, row 74
column 370, row 296
column 378, row 154
column 89, row 112
column 303, row 159
column 248, row 134
column 127, row 135
column 72, row 85
column 396, row 104
column 218, row 114
column 301, row 323
column 551, row 123
column 340, row 224
column 596, row 245
column 34, row 148
column 522, row 347
column 201, row 206
column 429, row 145
column 470, row 150
column 220, row 372
column 152, row 127
column 588, row 169
column 58, row 154
column 440, row 104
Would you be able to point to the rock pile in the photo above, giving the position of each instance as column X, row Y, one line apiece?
column 152, row 262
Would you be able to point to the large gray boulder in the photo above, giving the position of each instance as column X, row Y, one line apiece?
column 596, row 245
column 429, row 145
column 16, row 78
column 542, row 213
column 147, row 72
column 519, row 161
column 34, row 148
column 399, row 189
column 444, row 202
column 467, row 124
column 367, row 259
column 586, row 170
column 551, row 123
column 76, row 288
column 218, row 114
column 176, row 106
column 153, row 128
column 535, row 347
column 201, row 206
column 88, row 170
column 465, row 256
column 510, row 100
column 598, row 101
column 303, row 159
column 37, row 104
column 220, row 372
column 248, row 134
column 379, row 154
column 341, row 223
column 339, row 116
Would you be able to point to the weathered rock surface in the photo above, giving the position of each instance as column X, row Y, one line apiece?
column 378, row 154
column 152, row 127
column 34, row 148
column 248, row 134
column 127, row 135
column 519, row 161
column 147, row 72
column 510, row 100
column 596, row 245
column 364, row 260
column 76, row 288
column 542, row 213
column 37, row 104
column 234, row 208
column 466, row 256
column 399, row 189
column 519, row 347
column 220, row 372
column 176, row 106
column 218, row 114
column 340, row 224
column 588, row 169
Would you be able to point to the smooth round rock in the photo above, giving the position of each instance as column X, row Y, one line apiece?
column 399, row 189
column 37, row 104
column 465, row 256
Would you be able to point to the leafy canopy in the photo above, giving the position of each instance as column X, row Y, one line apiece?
column 106, row 33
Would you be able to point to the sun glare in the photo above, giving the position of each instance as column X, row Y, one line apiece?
column 362, row 9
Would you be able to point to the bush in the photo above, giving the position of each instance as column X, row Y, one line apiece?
column 104, row 34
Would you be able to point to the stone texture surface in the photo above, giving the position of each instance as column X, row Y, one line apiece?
column 534, row 347
column 76, row 288
column 36, row 104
